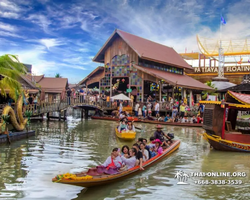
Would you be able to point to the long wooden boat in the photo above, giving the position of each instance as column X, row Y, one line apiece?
column 90, row 181
column 151, row 121
column 220, row 122
column 226, row 145
column 130, row 135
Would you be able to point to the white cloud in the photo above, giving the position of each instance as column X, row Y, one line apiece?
column 8, row 34
column 50, row 42
column 7, row 27
column 42, row 21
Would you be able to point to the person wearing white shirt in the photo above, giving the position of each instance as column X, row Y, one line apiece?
column 145, row 153
column 130, row 162
column 137, row 109
column 114, row 160
column 157, row 109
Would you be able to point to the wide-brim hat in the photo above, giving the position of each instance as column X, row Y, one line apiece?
column 157, row 140
column 159, row 127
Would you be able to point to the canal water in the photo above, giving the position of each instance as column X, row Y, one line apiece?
column 27, row 166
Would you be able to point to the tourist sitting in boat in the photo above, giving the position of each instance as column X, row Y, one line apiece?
column 139, row 156
column 199, row 119
column 159, row 134
column 194, row 120
column 144, row 141
column 131, row 161
column 122, row 126
column 125, row 151
column 158, row 149
column 151, row 146
column 130, row 126
column 184, row 119
column 166, row 118
column 161, row 119
column 176, row 119
column 114, row 160
column 144, row 151
column 122, row 115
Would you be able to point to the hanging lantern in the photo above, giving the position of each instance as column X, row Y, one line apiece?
column 117, row 80
column 123, row 80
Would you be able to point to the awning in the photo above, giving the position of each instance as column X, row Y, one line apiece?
column 242, row 98
column 121, row 97
column 174, row 79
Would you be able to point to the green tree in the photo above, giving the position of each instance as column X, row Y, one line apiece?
column 10, row 71
column 58, row 75
column 207, row 92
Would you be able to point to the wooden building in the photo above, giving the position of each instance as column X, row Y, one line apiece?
column 54, row 88
column 134, row 63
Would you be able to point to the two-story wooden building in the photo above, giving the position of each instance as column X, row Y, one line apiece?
column 132, row 62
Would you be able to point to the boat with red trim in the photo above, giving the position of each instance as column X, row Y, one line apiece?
column 224, row 131
column 149, row 121
column 95, row 178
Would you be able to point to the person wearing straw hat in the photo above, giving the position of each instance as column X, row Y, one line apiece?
column 159, row 134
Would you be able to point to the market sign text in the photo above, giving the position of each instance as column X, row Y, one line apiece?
column 226, row 69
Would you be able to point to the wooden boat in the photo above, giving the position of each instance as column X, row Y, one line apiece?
column 222, row 131
column 103, row 179
column 151, row 121
column 130, row 135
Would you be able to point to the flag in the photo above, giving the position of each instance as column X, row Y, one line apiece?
column 223, row 21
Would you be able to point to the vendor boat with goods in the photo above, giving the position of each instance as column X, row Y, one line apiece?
column 96, row 176
column 224, row 131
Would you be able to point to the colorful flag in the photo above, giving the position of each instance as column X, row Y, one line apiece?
column 223, row 21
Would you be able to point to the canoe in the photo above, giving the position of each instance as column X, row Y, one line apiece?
column 130, row 135
column 151, row 122
column 103, row 179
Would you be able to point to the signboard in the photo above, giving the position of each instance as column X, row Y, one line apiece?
column 129, row 90
column 229, row 69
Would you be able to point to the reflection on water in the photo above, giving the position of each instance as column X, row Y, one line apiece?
column 27, row 166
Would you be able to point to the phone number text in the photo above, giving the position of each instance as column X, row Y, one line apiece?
column 218, row 182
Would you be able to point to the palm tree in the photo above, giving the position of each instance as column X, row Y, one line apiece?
column 58, row 75
column 10, row 71
column 210, row 84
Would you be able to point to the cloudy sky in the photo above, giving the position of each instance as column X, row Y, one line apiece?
column 63, row 36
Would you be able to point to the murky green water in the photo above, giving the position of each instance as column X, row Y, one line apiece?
column 27, row 166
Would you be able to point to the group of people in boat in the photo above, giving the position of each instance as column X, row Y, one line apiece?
column 125, row 125
column 140, row 152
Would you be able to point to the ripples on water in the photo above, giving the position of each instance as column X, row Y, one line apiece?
column 27, row 166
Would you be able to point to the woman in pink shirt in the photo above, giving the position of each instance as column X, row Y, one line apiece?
column 158, row 149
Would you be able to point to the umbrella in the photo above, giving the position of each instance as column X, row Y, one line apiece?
column 121, row 97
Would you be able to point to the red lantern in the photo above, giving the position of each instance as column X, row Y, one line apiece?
column 123, row 80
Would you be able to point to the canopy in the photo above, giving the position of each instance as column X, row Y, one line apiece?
column 121, row 97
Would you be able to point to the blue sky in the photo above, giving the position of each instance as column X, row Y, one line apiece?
column 63, row 36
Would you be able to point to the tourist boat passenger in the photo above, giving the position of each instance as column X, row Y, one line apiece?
column 122, row 126
column 139, row 156
column 158, row 149
column 125, row 151
column 130, row 126
column 194, row 120
column 166, row 118
column 184, row 119
column 199, row 119
column 130, row 162
column 137, row 109
column 114, row 160
column 145, row 153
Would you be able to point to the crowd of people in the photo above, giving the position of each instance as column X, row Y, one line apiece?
column 140, row 152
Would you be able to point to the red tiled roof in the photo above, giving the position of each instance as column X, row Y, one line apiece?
column 174, row 79
column 148, row 50
column 242, row 98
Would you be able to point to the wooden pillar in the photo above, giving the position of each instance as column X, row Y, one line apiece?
column 190, row 97
column 82, row 113
column 160, row 91
column 184, row 93
column 86, row 114
column 65, row 114
column 214, row 63
column 142, row 87
column 60, row 115
column 48, row 115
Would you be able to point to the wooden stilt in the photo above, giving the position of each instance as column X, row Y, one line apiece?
column 65, row 115
column 82, row 114
column 48, row 115
column 86, row 114
column 60, row 115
